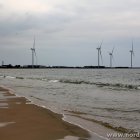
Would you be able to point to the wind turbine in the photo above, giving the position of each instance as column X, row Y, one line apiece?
column 111, row 57
column 99, row 53
column 33, row 53
column 132, row 54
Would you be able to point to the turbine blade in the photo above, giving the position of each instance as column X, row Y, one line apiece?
column 113, row 50
column 101, row 44
column 34, row 44
column 132, row 45
column 112, row 57
column 101, row 56
column 133, row 48
column 35, row 56
column 133, row 53
column 34, row 50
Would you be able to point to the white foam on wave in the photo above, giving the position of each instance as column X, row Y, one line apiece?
column 43, row 106
column 53, row 81
column 10, row 77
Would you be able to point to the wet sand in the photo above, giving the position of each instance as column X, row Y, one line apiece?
column 21, row 120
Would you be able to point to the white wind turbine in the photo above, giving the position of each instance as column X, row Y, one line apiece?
column 99, row 54
column 111, row 57
column 132, row 54
column 33, row 54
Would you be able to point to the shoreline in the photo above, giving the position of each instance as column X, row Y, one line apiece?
column 20, row 119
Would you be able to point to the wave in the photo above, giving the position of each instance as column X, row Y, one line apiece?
column 19, row 78
column 53, row 81
column 100, row 84
column 105, row 124
column 10, row 77
column 111, row 126
column 117, row 109
column 71, row 81
column 37, row 98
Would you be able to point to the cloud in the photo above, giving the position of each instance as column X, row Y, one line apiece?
column 69, row 24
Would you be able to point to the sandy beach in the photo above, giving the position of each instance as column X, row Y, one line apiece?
column 21, row 120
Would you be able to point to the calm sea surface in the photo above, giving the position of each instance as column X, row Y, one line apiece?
column 110, row 97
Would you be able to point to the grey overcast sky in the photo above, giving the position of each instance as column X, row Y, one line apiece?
column 69, row 31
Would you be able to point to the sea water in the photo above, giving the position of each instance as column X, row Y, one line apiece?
column 109, row 97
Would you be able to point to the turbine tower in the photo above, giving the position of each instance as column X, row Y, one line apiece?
column 33, row 53
column 111, row 57
column 99, row 53
column 132, row 54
